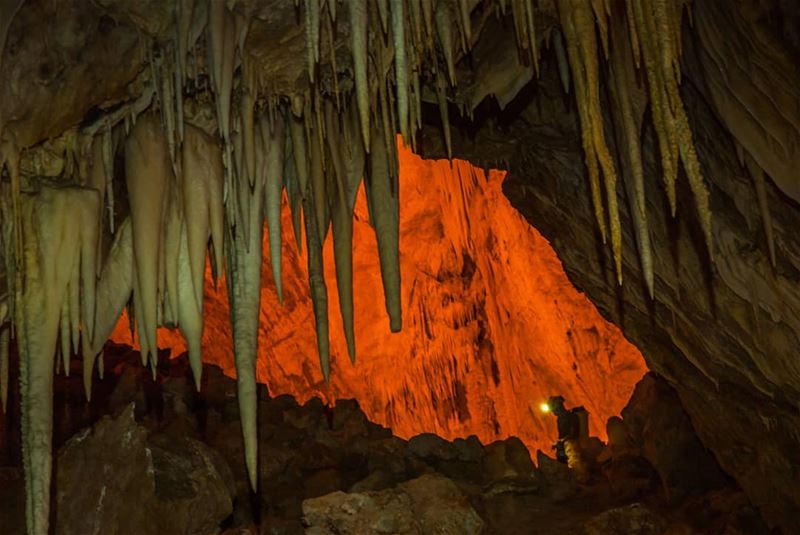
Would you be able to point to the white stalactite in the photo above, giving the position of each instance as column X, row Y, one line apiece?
column 55, row 223
column 148, row 173
column 114, row 288
column 244, row 257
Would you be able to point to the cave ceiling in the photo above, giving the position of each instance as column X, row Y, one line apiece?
column 656, row 144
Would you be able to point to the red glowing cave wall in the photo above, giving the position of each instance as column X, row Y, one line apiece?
column 492, row 326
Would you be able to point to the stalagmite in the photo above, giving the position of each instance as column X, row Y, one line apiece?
column 54, row 226
column 148, row 174
column 272, row 145
column 359, row 33
column 384, row 205
column 244, row 294
column 400, row 65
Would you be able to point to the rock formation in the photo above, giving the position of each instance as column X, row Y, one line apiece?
column 164, row 458
column 621, row 145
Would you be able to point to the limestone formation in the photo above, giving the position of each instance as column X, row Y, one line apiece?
column 147, row 130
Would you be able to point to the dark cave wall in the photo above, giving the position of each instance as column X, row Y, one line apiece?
column 725, row 335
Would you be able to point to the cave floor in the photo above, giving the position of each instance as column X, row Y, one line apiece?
column 321, row 471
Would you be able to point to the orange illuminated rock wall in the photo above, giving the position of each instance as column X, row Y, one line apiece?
column 492, row 326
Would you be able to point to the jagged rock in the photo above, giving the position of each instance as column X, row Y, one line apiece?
column 194, row 485
column 429, row 504
column 114, row 478
column 666, row 438
column 507, row 458
column 101, row 471
column 561, row 483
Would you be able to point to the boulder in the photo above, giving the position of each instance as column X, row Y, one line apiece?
column 664, row 435
column 507, row 458
column 428, row 504
column 115, row 478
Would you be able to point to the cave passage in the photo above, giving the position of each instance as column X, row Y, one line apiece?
column 492, row 324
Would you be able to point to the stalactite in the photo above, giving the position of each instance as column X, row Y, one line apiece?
column 628, row 110
column 662, row 117
column 343, row 204
column 247, row 114
column 561, row 59
column 359, row 25
column 757, row 174
column 170, row 249
column 202, row 202
column 148, row 174
column 444, row 115
column 384, row 204
column 383, row 14
column 272, row 145
column 312, row 19
column 108, row 171
column 401, row 65
column 531, row 27
column 243, row 257
column 318, row 190
column 57, row 224
column 114, row 288
column 580, row 82
column 466, row 24
column 316, row 281
column 293, row 190
column 444, row 30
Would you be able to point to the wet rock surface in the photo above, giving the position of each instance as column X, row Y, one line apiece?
column 168, row 459
column 724, row 333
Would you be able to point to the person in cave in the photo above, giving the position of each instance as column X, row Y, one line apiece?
column 568, row 425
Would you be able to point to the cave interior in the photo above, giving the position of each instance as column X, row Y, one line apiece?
column 273, row 266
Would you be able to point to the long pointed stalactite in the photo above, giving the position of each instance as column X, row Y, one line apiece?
column 204, row 176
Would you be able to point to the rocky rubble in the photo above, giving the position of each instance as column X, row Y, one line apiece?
column 167, row 459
